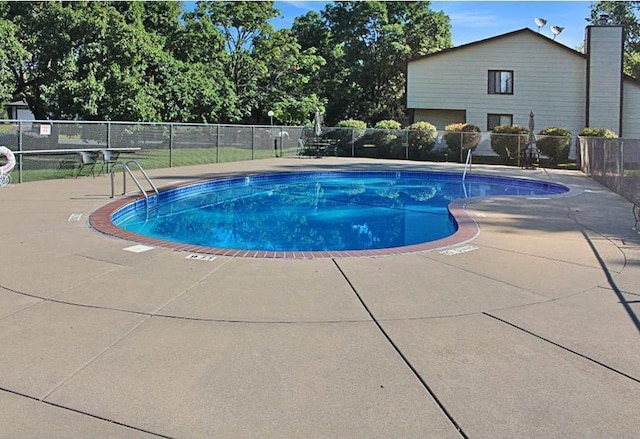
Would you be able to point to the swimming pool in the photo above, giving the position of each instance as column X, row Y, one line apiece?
column 315, row 212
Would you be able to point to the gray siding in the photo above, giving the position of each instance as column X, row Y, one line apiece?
column 631, row 110
column 548, row 80
column 604, row 45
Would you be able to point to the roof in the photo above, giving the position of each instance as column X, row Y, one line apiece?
column 500, row 37
column 523, row 31
column 20, row 103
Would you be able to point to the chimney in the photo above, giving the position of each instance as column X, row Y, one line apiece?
column 604, row 50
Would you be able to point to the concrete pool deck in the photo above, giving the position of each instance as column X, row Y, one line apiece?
column 531, row 329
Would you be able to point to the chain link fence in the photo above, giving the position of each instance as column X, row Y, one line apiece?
column 613, row 162
column 50, row 149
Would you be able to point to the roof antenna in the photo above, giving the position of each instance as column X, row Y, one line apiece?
column 540, row 22
column 556, row 31
column 603, row 19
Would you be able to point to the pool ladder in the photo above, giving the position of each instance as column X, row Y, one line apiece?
column 127, row 170
column 467, row 165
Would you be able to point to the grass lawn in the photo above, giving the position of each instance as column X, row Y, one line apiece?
column 47, row 167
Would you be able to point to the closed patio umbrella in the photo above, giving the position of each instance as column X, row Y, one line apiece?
column 531, row 149
column 317, row 129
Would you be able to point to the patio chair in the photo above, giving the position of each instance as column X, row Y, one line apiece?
column 109, row 158
column 89, row 160
column 303, row 147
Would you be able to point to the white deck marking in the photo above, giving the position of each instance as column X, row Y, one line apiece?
column 139, row 248
column 459, row 250
column 75, row 217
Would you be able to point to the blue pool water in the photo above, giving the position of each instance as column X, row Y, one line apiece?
column 315, row 211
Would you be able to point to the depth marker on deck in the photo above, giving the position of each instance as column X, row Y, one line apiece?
column 75, row 217
column 201, row 257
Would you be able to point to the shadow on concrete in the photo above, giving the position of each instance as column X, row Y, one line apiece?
column 625, row 304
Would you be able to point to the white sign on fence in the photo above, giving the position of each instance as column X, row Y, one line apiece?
column 45, row 130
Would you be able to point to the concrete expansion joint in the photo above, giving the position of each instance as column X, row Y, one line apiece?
column 169, row 316
column 81, row 412
column 102, row 260
column 94, row 358
column 565, row 348
column 546, row 258
column 609, row 288
column 492, row 278
column 261, row 322
column 404, row 358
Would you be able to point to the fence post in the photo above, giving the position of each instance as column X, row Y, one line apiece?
column 621, row 163
column 518, row 150
column 253, row 131
column 217, row 143
column 108, row 134
column 20, row 149
column 406, row 145
column 353, row 142
column 171, row 144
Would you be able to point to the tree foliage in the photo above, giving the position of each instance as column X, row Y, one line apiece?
column 626, row 14
column 219, row 61
column 367, row 45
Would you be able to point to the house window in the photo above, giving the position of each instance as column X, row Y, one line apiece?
column 493, row 120
column 500, row 82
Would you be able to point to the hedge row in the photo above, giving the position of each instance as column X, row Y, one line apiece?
column 506, row 140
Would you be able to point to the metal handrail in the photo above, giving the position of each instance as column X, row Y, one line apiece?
column 125, row 167
column 467, row 165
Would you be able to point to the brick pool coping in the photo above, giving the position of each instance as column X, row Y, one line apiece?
column 100, row 220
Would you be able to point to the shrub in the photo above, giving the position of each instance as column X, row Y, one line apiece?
column 359, row 126
column 422, row 138
column 597, row 132
column 555, row 144
column 462, row 136
column 388, row 144
column 505, row 140
column 388, row 125
column 350, row 130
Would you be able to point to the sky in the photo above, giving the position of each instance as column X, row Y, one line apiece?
column 476, row 20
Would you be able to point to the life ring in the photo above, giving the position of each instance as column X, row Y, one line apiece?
column 11, row 160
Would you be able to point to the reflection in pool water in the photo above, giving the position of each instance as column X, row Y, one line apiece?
column 315, row 211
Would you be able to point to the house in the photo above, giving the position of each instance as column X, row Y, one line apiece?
column 501, row 80
column 19, row 110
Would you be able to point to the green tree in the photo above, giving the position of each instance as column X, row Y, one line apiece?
column 10, row 50
column 287, row 87
column 366, row 45
column 116, row 74
column 241, row 23
column 200, row 45
column 624, row 14
column 117, row 61
column 45, row 31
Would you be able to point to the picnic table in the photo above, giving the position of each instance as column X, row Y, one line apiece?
column 317, row 147
column 87, row 157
